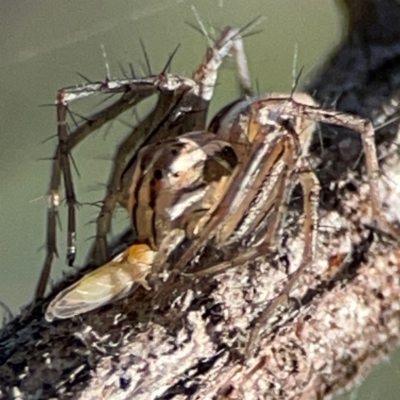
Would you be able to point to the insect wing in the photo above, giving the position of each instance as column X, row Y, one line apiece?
column 110, row 282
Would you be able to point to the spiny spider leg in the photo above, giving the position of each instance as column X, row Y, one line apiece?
column 64, row 155
column 311, row 190
column 131, row 96
column 272, row 212
column 366, row 130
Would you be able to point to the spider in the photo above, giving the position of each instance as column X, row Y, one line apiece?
column 188, row 187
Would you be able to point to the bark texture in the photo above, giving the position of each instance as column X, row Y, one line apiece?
column 344, row 315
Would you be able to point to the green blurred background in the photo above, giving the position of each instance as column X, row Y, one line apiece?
column 42, row 46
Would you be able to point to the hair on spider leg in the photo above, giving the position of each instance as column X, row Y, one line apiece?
column 135, row 113
column 180, row 113
column 106, row 63
column 194, row 27
column 250, row 26
column 320, row 140
column 105, row 115
column 108, row 129
column 132, row 71
column 74, row 164
column 45, row 159
column 333, row 103
column 85, row 78
column 47, row 140
column 237, row 49
column 202, row 27
column 294, row 65
column 258, row 88
column 95, row 188
column 241, row 32
column 146, row 56
column 72, row 114
column 169, row 60
column 98, row 203
column 106, row 98
column 126, row 123
column 47, row 105
column 388, row 123
column 122, row 70
column 52, row 105
column 296, row 80
column 94, row 221
column 252, row 33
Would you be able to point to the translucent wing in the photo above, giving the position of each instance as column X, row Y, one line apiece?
column 112, row 281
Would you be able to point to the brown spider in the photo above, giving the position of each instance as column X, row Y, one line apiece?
column 189, row 187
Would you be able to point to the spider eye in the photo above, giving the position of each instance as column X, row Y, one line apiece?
column 229, row 156
column 158, row 174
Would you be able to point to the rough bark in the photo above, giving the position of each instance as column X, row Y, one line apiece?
column 345, row 312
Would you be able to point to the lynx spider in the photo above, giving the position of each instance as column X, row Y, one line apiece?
column 270, row 135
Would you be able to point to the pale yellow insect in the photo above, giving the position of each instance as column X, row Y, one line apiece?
column 104, row 285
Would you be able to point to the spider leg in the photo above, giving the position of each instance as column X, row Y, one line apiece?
column 269, row 212
column 366, row 130
column 273, row 212
column 311, row 190
column 169, row 243
column 67, row 177
column 51, row 228
column 67, row 142
column 229, row 42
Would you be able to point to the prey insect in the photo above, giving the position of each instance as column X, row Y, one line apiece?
column 225, row 186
